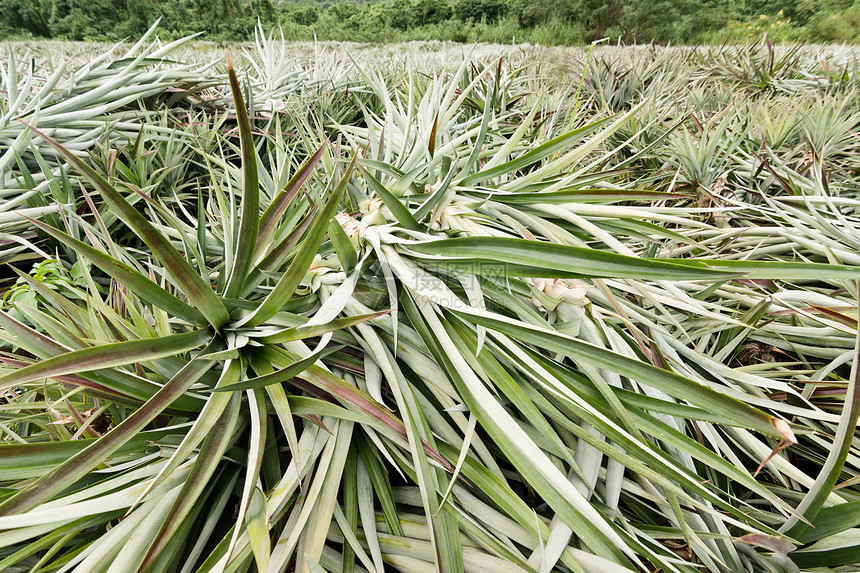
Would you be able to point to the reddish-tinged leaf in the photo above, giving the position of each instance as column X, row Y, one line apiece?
column 106, row 356
column 250, row 220
column 837, row 316
column 776, row 544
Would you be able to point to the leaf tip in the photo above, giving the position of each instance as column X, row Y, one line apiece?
column 785, row 431
column 788, row 439
column 778, row 545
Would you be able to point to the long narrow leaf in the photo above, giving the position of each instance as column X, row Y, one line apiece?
column 246, row 239
column 107, row 356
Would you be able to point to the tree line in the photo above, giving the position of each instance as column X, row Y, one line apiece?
column 562, row 22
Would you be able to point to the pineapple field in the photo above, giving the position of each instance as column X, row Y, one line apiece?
column 429, row 307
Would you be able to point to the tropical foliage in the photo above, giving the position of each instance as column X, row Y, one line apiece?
column 416, row 310
column 546, row 22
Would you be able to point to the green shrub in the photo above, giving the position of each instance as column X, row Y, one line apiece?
column 478, row 10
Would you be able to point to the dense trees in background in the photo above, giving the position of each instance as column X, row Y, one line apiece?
column 22, row 16
column 543, row 21
column 115, row 19
column 630, row 21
